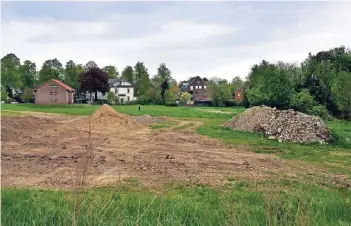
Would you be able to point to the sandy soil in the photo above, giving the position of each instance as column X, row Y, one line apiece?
column 52, row 152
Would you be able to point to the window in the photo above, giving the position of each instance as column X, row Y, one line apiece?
column 204, row 87
column 128, row 92
column 51, row 93
column 191, row 87
column 238, row 94
column 55, row 93
column 196, row 87
column 116, row 90
column 51, row 86
column 128, row 96
column 196, row 92
column 200, row 87
column 55, row 86
column 55, row 100
column 197, row 81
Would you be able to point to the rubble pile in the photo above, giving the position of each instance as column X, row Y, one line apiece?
column 284, row 126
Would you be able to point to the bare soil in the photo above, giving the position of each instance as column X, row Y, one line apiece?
column 50, row 152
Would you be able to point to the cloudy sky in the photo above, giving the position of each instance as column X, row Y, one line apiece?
column 222, row 39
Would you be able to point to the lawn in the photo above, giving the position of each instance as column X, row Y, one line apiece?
column 283, row 202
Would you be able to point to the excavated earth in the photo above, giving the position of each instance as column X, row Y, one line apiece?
column 109, row 147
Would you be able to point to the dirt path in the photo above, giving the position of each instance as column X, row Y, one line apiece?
column 51, row 152
column 215, row 111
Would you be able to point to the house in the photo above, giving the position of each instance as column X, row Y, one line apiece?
column 239, row 94
column 54, row 92
column 122, row 89
column 197, row 87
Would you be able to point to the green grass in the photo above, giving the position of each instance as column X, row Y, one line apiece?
column 239, row 203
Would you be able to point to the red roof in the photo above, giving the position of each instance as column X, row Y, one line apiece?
column 58, row 82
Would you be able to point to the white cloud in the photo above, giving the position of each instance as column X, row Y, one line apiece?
column 187, row 45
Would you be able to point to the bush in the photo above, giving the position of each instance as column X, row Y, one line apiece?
column 229, row 103
column 303, row 101
column 172, row 104
column 320, row 111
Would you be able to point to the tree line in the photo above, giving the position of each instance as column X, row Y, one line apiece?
column 161, row 88
column 320, row 85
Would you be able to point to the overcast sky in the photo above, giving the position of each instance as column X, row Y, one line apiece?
column 222, row 39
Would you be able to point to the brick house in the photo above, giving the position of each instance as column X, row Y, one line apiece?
column 54, row 92
column 197, row 87
column 239, row 94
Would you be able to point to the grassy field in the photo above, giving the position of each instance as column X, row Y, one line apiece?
column 282, row 202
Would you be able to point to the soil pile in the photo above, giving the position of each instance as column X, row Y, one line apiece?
column 284, row 126
column 106, row 118
column 147, row 119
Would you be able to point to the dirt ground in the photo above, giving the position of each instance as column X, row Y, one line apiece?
column 56, row 151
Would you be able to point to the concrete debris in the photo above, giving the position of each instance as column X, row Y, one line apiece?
column 284, row 126
column 147, row 119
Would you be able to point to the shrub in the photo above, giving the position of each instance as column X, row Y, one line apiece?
column 303, row 101
column 172, row 104
column 229, row 103
column 320, row 111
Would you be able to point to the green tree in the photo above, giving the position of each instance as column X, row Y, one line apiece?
column 219, row 92
column 111, row 97
column 28, row 73
column 170, row 98
column 163, row 74
column 10, row 71
column 27, row 95
column 303, row 101
column 128, row 74
column 142, row 80
column 51, row 69
column 3, row 94
column 185, row 97
column 341, row 90
column 237, row 82
column 325, row 74
column 111, row 71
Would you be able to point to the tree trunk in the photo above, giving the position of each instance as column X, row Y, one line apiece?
column 95, row 96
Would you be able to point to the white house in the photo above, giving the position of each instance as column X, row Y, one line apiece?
column 120, row 87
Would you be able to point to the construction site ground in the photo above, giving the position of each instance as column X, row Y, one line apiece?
column 54, row 151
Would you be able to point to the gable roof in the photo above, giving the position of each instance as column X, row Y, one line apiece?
column 58, row 82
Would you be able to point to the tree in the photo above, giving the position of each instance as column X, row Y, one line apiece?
column 269, row 85
column 3, row 94
column 28, row 73
column 93, row 79
column 237, row 82
column 128, row 74
column 220, row 92
column 111, row 71
column 174, row 88
column 303, row 101
column 325, row 75
column 185, row 97
column 27, row 95
column 111, row 97
column 341, row 90
column 163, row 74
column 164, row 88
column 10, row 71
column 51, row 69
column 170, row 98
column 142, row 80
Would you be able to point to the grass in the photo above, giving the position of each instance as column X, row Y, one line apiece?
column 239, row 203
column 283, row 202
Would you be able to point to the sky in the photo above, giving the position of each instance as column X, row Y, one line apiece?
column 207, row 39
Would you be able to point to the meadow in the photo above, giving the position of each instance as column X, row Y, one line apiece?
column 237, row 202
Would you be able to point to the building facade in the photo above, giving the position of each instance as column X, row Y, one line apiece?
column 197, row 87
column 54, row 92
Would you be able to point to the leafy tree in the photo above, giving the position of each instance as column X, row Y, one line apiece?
column 185, row 97
column 325, row 75
column 128, row 74
column 142, row 80
column 170, row 98
column 93, row 79
column 3, row 94
column 28, row 73
column 71, row 73
column 174, row 88
column 341, row 90
column 51, row 69
column 163, row 74
column 220, row 93
column 270, row 86
column 164, row 88
column 303, row 101
column 10, row 71
column 111, row 71
column 237, row 82
column 27, row 95
column 111, row 97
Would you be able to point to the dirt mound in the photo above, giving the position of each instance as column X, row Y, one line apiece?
column 147, row 119
column 107, row 119
column 286, row 125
